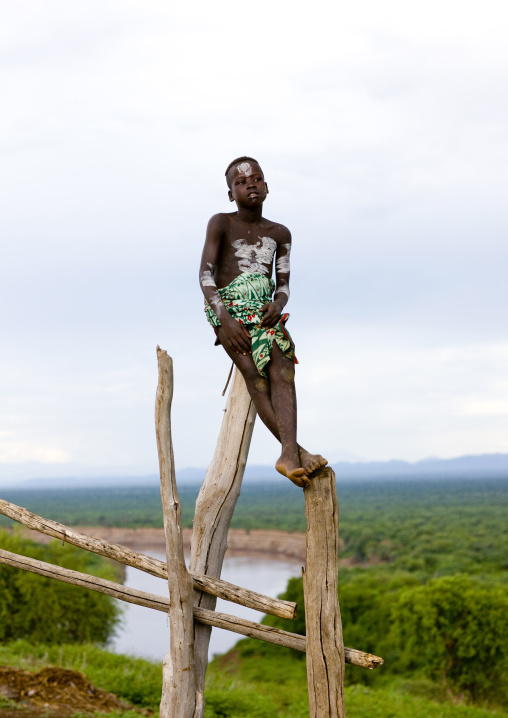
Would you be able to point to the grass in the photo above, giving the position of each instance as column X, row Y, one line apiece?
column 241, row 684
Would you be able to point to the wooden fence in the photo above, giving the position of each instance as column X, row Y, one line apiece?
column 193, row 592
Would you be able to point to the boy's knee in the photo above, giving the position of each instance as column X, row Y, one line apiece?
column 287, row 373
column 250, row 374
column 261, row 384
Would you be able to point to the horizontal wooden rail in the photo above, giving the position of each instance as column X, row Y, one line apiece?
column 159, row 603
column 122, row 554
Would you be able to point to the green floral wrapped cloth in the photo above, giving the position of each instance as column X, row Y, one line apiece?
column 243, row 298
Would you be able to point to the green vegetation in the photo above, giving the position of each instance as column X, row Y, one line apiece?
column 247, row 684
column 423, row 583
column 431, row 527
column 238, row 687
column 48, row 611
column 451, row 632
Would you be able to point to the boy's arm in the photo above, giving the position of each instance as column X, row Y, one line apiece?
column 273, row 310
column 236, row 336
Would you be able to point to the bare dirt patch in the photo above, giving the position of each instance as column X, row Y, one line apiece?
column 54, row 692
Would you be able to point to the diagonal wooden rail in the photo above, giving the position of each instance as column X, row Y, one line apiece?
column 128, row 557
column 161, row 603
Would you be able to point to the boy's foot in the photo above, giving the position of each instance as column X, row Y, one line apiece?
column 294, row 473
column 311, row 462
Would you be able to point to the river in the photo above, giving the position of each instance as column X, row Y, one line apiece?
column 144, row 632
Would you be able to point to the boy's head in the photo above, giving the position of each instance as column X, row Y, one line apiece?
column 242, row 165
column 246, row 182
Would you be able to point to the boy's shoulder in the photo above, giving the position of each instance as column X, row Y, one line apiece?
column 222, row 221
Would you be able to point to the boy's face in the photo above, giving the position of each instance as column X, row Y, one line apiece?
column 247, row 185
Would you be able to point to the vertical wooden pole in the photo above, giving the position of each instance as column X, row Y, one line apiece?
column 325, row 647
column 214, row 509
column 179, row 678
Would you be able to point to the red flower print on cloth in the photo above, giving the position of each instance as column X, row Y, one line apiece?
column 243, row 298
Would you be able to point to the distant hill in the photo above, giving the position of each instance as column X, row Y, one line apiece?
column 470, row 465
column 486, row 464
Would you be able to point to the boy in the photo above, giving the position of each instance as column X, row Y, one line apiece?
column 235, row 276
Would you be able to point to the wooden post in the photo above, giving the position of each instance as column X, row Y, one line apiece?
column 325, row 647
column 179, row 677
column 214, row 509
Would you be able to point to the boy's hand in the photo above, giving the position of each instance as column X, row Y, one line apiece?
column 272, row 312
column 236, row 337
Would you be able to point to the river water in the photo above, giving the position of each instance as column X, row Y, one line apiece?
column 144, row 632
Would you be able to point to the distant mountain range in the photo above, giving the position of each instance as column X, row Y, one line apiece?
column 478, row 466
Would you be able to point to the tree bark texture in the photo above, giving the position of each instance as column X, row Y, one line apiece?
column 325, row 647
column 214, row 509
column 161, row 603
column 179, row 676
column 122, row 554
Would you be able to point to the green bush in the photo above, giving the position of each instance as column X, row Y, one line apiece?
column 49, row 611
column 456, row 629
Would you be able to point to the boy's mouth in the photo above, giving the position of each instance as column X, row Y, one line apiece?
column 254, row 194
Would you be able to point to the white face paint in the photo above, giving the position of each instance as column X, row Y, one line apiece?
column 283, row 262
column 254, row 258
column 245, row 169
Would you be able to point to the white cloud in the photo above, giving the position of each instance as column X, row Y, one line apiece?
column 21, row 452
column 383, row 134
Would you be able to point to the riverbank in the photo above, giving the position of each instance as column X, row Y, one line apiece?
column 269, row 544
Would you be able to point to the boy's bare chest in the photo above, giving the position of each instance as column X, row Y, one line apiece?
column 256, row 243
column 261, row 246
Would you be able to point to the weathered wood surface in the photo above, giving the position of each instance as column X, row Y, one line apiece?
column 214, row 509
column 325, row 647
column 178, row 674
column 161, row 603
column 122, row 554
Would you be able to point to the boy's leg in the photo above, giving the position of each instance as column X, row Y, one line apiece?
column 259, row 389
column 281, row 371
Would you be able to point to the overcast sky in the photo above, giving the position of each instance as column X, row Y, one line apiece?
column 382, row 132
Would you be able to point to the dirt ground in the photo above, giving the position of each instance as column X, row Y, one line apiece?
column 53, row 692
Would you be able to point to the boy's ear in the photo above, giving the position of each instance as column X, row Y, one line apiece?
column 230, row 195
column 266, row 188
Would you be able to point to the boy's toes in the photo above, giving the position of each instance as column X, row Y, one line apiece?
column 312, row 462
column 296, row 473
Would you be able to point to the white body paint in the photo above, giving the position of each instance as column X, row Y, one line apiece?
column 216, row 304
column 207, row 279
column 283, row 262
column 284, row 289
column 255, row 257
column 245, row 169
